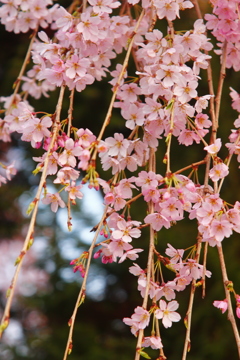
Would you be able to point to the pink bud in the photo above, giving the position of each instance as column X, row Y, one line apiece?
column 38, row 145
column 109, row 198
column 97, row 254
column 238, row 311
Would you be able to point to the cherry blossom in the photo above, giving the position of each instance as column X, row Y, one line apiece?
column 140, row 318
column 38, row 128
column 157, row 221
column 175, row 254
column 160, row 102
column 153, row 341
column 167, row 313
column 10, row 171
column 214, row 148
column 55, row 201
column 222, row 305
column 126, row 231
column 219, row 171
column 68, row 155
column 74, row 191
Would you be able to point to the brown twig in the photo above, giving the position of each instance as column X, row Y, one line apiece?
column 23, row 68
column 35, row 202
column 82, row 291
column 187, row 342
column 231, row 317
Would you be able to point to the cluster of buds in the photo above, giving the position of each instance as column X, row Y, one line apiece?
column 79, row 263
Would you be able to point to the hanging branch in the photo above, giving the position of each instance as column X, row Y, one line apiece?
column 34, row 208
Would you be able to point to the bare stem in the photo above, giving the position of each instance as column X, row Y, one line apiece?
column 187, row 343
column 231, row 317
column 204, row 269
column 81, row 294
column 194, row 165
column 220, row 87
column 228, row 162
column 70, row 112
column 29, row 236
column 23, row 68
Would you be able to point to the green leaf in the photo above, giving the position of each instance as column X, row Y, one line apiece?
column 144, row 354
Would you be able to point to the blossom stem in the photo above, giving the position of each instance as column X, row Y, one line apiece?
column 209, row 68
column 125, row 63
column 152, row 167
column 169, row 139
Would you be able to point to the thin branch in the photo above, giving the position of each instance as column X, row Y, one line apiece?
column 152, row 167
column 220, row 87
column 194, row 165
column 23, row 68
column 168, row 140
column 35, row 202
column 82, row 291
column 187, row 343
column 125, row 63
column 231, row 317
column 70, row 112
column 204, row 269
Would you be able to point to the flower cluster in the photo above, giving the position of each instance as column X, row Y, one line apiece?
column 224, row 23
column 21, row 16
column 162, row 101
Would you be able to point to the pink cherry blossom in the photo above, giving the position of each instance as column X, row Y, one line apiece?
column 74, row 191
column 55, row 201
column 104, row 6
column 153, row 341
column 88, row 26
column 141, row 317
column 76, row 66
column 167, row 313
column 218, row 172
column 136, row 270
column 10, row 171
column 66, row 174
column 220, row 229
column 130, row 254
column 38, row 128
column 68, row 155
column 175, row 254
column 157, row 221
column 222, row 305
column 117, row 248
column 117, row 145
column 214, row 148
column 126, row 231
